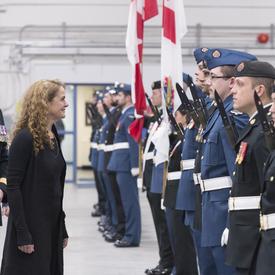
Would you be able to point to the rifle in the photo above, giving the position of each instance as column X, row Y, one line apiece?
column 175, row 124
column 187, row 105
column 198, row 104
column 268, row 128
column 94, row 115
column 108, row 114
column 228, row 121
column 154, row 109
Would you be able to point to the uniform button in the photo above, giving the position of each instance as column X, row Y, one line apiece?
column 271, row 178
column 202, row 157
column 204, row 141
column 197, row 151
column 234, row 173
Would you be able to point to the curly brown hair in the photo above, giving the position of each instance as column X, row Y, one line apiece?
column 34, row 111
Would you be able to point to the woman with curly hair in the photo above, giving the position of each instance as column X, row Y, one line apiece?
column 36, row 232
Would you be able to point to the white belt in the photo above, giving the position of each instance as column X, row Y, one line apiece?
column 174, row 175
column 267, row 221
column 244, row 203
column 187, row 164
column 94, row 145
column 120, row 145
column 216, row 183
column 149, row 155
column 101, row 146
column 109, row 148
column 197, row 178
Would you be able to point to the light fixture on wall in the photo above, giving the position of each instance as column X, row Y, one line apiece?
column 263, row 38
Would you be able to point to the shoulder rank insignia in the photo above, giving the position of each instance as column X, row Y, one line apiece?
column 242, row 152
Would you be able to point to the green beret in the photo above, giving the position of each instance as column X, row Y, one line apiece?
column 254, row 69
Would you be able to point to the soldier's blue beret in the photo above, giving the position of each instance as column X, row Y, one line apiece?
column 226, row 57
column 100, row 94
column 114, row 88
column 125, row 88
column 200, row 54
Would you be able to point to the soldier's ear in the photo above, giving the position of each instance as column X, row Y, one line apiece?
column 231, row 82
column 260, row 90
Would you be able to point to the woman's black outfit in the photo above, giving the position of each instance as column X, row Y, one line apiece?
column 35, row 194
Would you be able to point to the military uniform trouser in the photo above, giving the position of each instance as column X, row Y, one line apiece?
column 159, row 219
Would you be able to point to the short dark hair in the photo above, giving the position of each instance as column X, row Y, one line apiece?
column 267, row 82
column 227, row 70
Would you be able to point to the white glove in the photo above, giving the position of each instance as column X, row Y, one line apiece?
column 224, row 238
column 135, row 172
column 139, row 183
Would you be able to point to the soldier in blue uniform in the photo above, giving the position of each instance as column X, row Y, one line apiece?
column 124, row 161
column 201, row 74
column 266, row 255
column 3, row 164
column 96, row 122
column 115, row 113
column 154, row 191
column 248, row 177
column 218, row 156
column 180, row 235
column 111, row 212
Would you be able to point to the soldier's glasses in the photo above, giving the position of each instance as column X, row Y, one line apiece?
column 219, row 76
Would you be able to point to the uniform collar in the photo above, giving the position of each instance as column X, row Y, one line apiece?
column 254, row 115
column 126, row 108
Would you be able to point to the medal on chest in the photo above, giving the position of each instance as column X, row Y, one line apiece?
column 242, row 153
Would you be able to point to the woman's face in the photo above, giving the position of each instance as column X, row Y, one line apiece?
column 58, row 105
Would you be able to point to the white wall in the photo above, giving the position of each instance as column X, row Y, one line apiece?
column 115, row 12
column 100, row 69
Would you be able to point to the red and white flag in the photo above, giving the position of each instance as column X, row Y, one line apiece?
column 140, row 11
column 173, row 29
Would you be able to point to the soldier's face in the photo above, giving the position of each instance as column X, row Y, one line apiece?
column 99, row 107
column 156, row 97
column 243, row 91
column 218, row 83
column 201, row 76
column 108, row 100
column 272, row 109
column 121, row 99
column 181, row 119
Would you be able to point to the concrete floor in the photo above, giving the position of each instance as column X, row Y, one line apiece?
column 88, row 253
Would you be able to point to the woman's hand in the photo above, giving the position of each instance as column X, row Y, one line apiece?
column 28, row 249
column 65, row 242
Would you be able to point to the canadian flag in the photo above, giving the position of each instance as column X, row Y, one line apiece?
column 140, row 11
column 173, row 29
